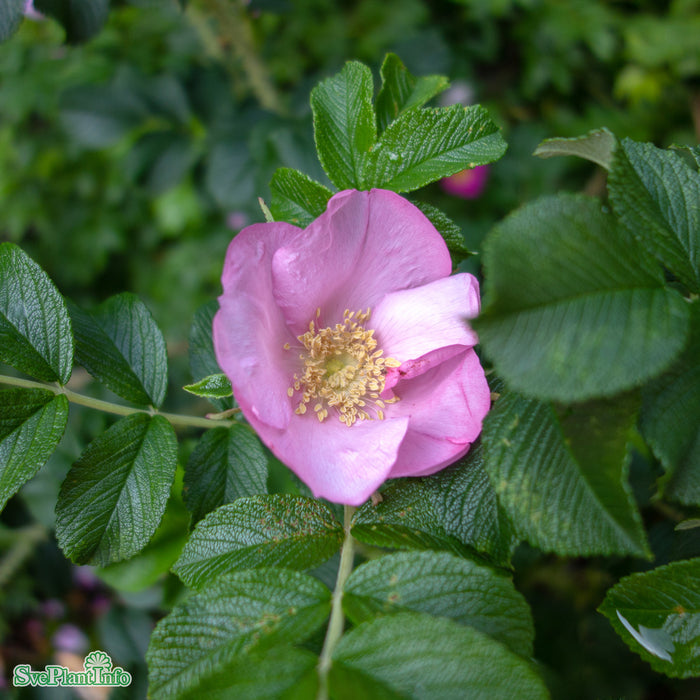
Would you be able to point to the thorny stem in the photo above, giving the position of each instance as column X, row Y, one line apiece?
column 109, row 407
column 336, row 623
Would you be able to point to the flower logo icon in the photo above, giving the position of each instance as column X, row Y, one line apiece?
column 98, row 659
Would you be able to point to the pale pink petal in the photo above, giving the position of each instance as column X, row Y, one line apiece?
column 364, row 246
column 340, row 463
column 249, row 329
column 413, row 322
column 446, row 407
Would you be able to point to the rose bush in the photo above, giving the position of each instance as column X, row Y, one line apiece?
column 348, row 345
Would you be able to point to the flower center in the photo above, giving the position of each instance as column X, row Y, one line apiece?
column 342, row 370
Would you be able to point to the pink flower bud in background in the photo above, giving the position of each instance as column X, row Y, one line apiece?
column 467, row 184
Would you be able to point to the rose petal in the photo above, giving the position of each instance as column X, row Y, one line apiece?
column 446, row 407
column 364, row 246
column 340, row 463
column 413, row 322
column 249, row 329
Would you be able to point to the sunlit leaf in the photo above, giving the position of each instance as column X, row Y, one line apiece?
column 657, row 614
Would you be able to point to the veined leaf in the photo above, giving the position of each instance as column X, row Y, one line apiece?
column 120, row 344
column 454, row 510
column 114, row 496
column 279, row 672
column 656, row 194
column 344, row 123
column 447, row 228
column 561, row 475
column 259, row 531
column 226, row 464
column 241, row 613
column 153, row 562
column 296, row 198
column 671, row 419
column 424, row 145
column 35, row 330
column 413, row 655
column 215, row 386
column 441, row 584
column 596, row 146
column 574, row 309
column 657, row 614
column 402, row 91
column 32, row 422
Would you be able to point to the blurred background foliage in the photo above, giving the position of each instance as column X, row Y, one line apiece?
column 131, row 151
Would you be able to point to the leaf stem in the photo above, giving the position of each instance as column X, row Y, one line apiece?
column 336, row 623
column 181, row 421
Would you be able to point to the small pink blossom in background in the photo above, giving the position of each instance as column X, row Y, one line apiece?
column 236, row 220
column 467, row 184
column 30, row 12
column 70, row 638
column 348, row 345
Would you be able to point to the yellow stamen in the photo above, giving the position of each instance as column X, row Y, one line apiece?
column 342, row 369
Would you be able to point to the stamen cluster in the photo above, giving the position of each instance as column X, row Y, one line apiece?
column 343, row 370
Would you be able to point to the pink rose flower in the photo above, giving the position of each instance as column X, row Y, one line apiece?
column 348, row 347
column 467, row 184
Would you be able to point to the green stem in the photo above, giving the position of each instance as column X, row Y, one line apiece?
column 109, row 407
column 337, row 621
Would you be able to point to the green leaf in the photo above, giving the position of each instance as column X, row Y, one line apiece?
column 120, row 344
column 413, row 655
column 201, row 349
column 242, row 612
column 97, row 116
column 671, row 419
column 215, row 386
column 422, row 146
column 35, row 330
column 81, row 19
column 154, row 561
column 296, row 198
column 344, row 123
column 574, row 309
column 455, row 510
column 226, row 464
column 657, row 614
column 227, row 176
column 280, row 672
column 447, row 228
column 32, row 422
column 441, row 584
column 114, row 496
column 259, row 531
column 401, row 91
column 562, row 474
column 11, row 15
column 655, row 193
column 596, row 146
